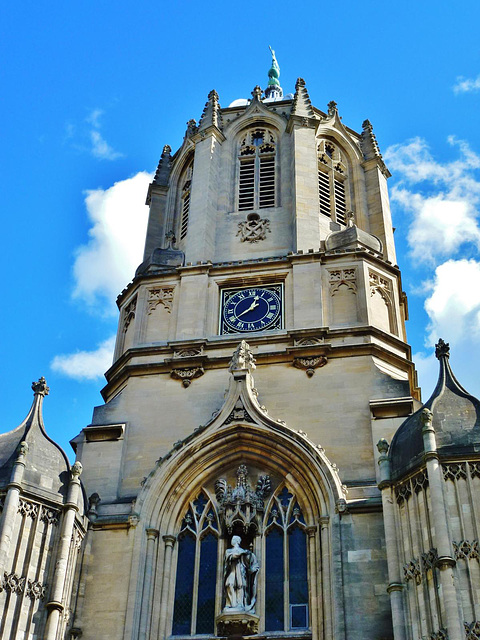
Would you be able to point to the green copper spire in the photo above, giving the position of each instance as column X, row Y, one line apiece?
column 273, row 90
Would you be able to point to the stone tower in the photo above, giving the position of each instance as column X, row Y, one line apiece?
column 271, row 223
column 223, row 507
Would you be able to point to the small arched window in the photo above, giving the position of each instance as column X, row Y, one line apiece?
column 286, row 582
column 332, row 182
column 256, row 178
column 184, row 199
column 195, row 587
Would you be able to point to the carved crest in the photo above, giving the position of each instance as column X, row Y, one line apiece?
column 241, row 504
column 254, row 228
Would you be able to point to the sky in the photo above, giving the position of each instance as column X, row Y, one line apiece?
column 93, row 91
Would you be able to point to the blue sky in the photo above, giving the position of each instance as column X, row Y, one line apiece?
column 92, row 92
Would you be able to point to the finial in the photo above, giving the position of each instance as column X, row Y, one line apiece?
column 76, row 469
column 163, row 170
column 332, row 108
column 212, row 115
column 257, row 93
column 191, row 128
column 40, row 387
column 442, row 349
column 273, row 90
column 301, row 101
column 369, row 142
column 382, row 446
column 242, row 358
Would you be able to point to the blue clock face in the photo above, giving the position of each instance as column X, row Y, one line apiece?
column 255, row 309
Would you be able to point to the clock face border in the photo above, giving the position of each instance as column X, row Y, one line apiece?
column 232, row 294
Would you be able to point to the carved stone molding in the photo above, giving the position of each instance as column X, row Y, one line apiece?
column 339, row 277
column 309, row 342
column 28, row 509
column 129, row 314
column 418, row 483
column 35, row 590
column 241, row 504
column 187, row 374
column 49, row 516
column 13, row 583
column 237, row 624
column 441, row 634
column 163, row 296
column 411, row 571
column 254, row 228
column 309, row 364
column 429, row 560
column 380, row 284
column 472, row 630
column 239, row 413
column 466, row 549
column 455, row 471
column 188, row 352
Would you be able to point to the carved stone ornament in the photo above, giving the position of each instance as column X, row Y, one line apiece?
column 35, row 590
column 40, row 387
column 239, row 413
column 163, row 296
column 429, row 559
column 187, row 374
column 241, row 504
column 28, row 509
column 310, row 363
column 237, row 624
column 76, row 469
column 254, row 229
column 411, row 571
column 466, row 549
column 242, row 358
column 339, row 277
column 13, row 583
column 129, row 314
column 188, row 352
column 472, row 630
column 380, row 284
column 442, row 349
column 49, row 516
column 309, row 342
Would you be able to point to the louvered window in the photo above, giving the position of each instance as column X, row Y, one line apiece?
column 184, row 202
column 332, row 183
column 257, row 183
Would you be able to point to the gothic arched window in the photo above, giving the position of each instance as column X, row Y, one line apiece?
column 278, row 540
column 286, row 577
column 332, row 182
column 195, row 587
column 184, row 199
column 256, row 177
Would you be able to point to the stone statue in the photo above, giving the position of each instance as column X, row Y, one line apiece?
column 240, row 578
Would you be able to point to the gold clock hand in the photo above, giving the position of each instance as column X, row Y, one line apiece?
column 250, row 308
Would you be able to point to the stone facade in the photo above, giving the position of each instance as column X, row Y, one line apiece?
column 271, row 223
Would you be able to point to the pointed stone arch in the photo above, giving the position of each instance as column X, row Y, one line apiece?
column 242, row 433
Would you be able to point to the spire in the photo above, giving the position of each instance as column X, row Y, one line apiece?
column 211, row 115
column 369, row 142
column 301, row 101
column 163, row 170
column 274, row 90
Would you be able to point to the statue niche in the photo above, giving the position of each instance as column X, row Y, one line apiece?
column 241, row 512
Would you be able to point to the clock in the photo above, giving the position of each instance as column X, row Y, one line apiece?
column 252, row 309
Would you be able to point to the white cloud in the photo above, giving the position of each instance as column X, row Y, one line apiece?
column 442, row 198
column 467, row 85
column 86, row 365
column 101, row 148
column 94, row 116
column 453, row 308
column 108, row 261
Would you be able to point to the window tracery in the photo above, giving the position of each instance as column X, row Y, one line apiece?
column 283, row 573
column 332, row 182
column 256, row 180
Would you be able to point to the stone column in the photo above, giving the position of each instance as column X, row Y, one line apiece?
column 326, row 582
column 445, row 561
column 315, row 601
column 10, row 507
column 56, row 606
column 152, row 535
column 167, row 570
column 395, row 586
